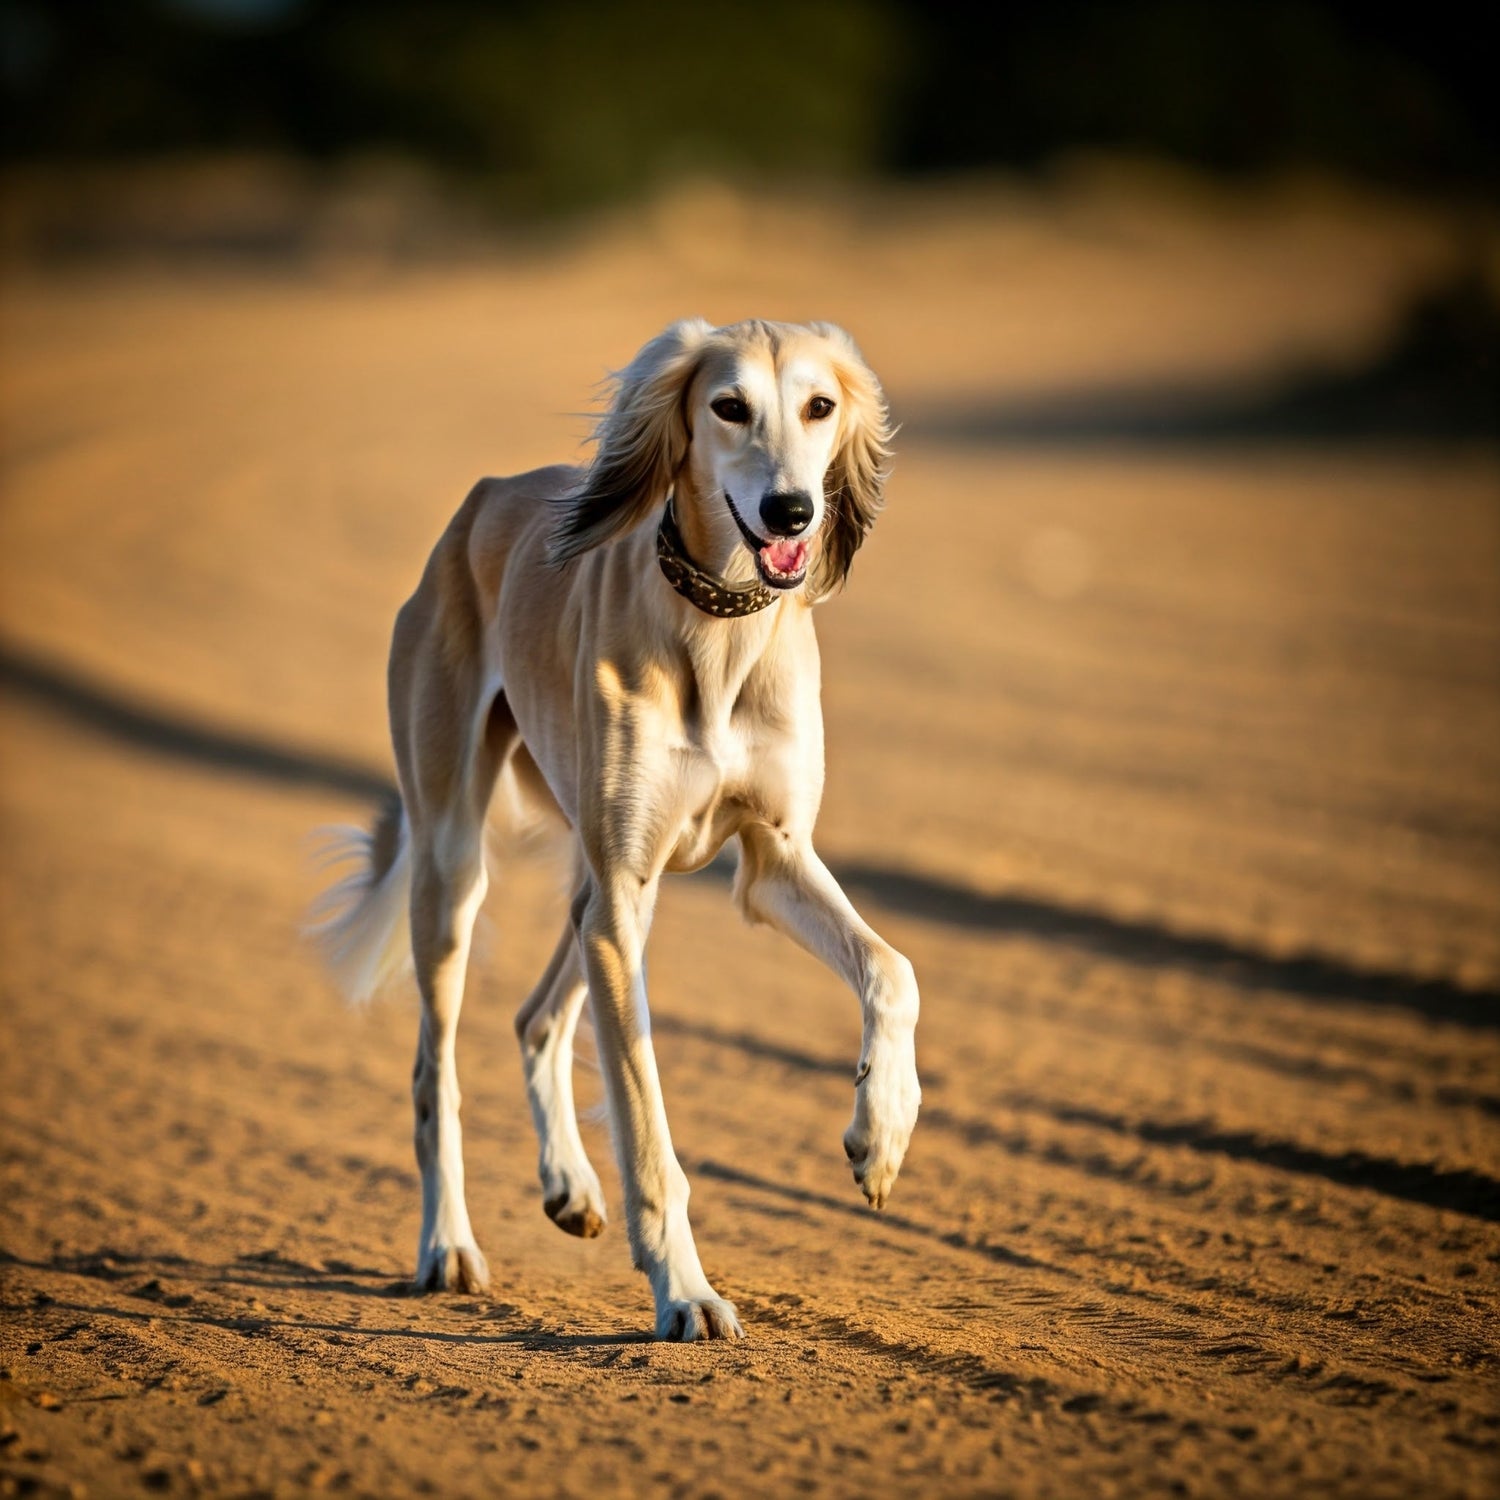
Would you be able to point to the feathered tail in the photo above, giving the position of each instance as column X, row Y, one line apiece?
column 362, row 924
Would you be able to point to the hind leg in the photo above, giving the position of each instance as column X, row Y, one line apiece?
column 447, row 889
column 448, row 886
column 545, row 1025
column 452, row 731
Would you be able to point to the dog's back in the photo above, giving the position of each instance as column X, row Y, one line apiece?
column 444, row 647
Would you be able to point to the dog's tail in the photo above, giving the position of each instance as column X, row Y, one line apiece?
column 362, row 924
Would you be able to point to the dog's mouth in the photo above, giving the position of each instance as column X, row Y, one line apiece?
column 781, row 562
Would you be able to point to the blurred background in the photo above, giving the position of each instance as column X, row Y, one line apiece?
column 283, row 276
column 537, row 109
column 1163, row 705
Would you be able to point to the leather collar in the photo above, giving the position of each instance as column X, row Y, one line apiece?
column 714, row 596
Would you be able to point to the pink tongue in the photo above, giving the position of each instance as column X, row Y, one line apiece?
column 785, row 557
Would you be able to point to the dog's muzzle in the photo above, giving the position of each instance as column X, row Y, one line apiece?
column 781, row 561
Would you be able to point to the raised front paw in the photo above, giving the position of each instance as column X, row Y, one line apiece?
column 687, row 1320
column 453, row 1268
column 886, row 1100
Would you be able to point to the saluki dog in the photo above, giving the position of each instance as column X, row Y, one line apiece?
column 629, row 647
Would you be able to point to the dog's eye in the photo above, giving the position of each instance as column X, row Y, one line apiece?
column 818, row 408
column 731, row 409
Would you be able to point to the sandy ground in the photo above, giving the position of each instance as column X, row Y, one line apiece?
column 1175, row 770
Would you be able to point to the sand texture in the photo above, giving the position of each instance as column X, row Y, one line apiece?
column 1174, row 767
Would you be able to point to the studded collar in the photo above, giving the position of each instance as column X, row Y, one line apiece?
column 714, row 596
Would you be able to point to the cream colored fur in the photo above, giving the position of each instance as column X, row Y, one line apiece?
column 544, row 649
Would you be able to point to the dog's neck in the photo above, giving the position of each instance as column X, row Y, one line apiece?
column 709, row 592
column 711, row 537
column 720, row 650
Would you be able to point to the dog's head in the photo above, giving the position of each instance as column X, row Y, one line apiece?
column 774, row 436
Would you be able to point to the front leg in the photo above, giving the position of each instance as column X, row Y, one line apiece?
column 613, row 919
column 783, row 882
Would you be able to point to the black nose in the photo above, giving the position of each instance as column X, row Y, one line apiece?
column 786, row 515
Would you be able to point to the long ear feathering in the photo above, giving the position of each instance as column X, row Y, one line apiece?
column 642, row 440
column 855, row 483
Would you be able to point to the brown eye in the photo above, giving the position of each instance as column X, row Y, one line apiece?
column 818, row 408
column 731, row 409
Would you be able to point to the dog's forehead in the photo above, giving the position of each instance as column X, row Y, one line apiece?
column 798, row 361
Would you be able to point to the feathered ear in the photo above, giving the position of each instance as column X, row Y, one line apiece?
column 854, row 486
column 642, row 440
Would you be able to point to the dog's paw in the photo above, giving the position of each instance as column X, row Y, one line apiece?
column 577, row 1210
column 886, row 1101
column 688, row 1320
column 571, row 1194
column 453, row 1268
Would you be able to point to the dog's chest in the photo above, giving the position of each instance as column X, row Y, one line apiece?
column 727, row 731
column 716, row 789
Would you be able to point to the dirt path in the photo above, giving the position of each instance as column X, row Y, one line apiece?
column 1175, row 771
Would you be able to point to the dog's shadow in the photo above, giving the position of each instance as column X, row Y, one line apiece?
column 173, row 1288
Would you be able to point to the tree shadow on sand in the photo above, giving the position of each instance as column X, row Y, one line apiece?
column 1458, row 1189
column 102, row 710
column 1436, row 381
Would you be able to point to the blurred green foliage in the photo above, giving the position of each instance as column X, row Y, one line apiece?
column 569, row 103
column 552, row 106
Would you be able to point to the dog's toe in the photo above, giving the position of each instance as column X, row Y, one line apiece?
column 886, row 1101
column 694, row 1319
column 572, row 1197
column 583, row 1220
column 876, row 1190
column 875, row 1163
column 453, row 1268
